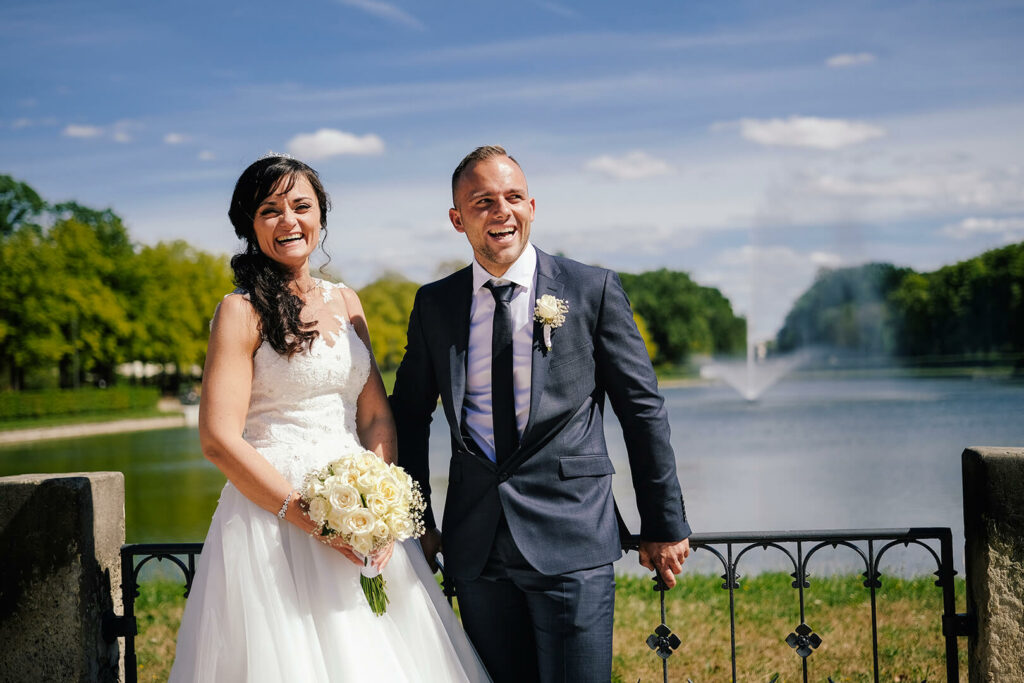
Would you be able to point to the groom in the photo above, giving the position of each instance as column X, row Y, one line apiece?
column 522, row 348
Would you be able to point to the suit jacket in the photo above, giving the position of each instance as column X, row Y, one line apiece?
column 555, row 489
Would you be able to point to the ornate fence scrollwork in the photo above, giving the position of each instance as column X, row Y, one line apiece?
column 728, row 548
column 798, row 548
column 180, row 555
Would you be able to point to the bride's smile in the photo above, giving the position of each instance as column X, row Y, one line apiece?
column 287, row 222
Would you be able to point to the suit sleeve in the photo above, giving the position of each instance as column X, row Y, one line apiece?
column 413, row 402
column 625, row 372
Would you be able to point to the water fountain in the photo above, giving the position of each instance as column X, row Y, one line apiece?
column 753, row 377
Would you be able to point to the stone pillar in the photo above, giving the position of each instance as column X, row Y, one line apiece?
column 994, row 530
column 60, row 571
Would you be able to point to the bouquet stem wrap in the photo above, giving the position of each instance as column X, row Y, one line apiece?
column 374, row 587
column 368, row 504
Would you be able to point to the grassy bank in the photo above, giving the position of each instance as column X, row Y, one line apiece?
column 61, row 420
column 837, row 608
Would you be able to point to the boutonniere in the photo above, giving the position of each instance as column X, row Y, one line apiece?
column 550, row 312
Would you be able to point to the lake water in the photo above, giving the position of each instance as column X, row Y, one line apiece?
column 811, row 454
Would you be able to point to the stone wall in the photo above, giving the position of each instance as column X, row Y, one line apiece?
column 994, row 530
column 60, row 540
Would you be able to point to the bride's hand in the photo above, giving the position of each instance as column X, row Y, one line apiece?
column 380, row 558
column 343, row 548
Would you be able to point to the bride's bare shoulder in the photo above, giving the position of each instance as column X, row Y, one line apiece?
column 235, row 320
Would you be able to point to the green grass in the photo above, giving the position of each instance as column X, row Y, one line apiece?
column 910, row 644
column 82, row 418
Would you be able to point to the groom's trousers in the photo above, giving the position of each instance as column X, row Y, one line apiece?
column 528, row 626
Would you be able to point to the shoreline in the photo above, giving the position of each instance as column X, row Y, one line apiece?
column 68, row 431
column 71, row 431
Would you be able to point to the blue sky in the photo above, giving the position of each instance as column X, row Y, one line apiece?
column 748, row 143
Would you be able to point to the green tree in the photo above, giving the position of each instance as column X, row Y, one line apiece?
column 645, row 334
column 20, row 205
column 682, row 316
column 845, row 308
column 77, row 298
column 975, row 306
column 90, row 307
column 178, row 288
column 387, row 303
column 31, row 336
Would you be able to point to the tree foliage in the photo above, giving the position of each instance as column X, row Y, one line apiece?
column 387, row 303
column 972, row 307
column 682, row 317
column 78, row 298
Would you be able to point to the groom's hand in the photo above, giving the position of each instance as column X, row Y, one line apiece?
column 430, row 542
column 665, row 558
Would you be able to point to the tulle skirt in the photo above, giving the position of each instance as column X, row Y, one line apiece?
column 271, row 604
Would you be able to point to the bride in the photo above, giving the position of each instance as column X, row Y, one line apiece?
column 289, row 385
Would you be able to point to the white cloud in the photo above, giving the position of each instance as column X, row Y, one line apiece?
column 807, row 131
column 206, row 155
column 850, row 59
column 1011, row 229
column 175, row 138
column 75, row 130
column 386, row 11
column 826, row 259
column 993, row 189
column 21, row 123
column 122, row 130
column 632, row 166
column 327, row 142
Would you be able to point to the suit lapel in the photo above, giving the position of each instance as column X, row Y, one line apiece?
column 547, row 283
column 462, row 297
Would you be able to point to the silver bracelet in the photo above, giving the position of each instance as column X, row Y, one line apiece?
column 284, row 506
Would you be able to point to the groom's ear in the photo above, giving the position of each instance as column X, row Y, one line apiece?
column 456, row 218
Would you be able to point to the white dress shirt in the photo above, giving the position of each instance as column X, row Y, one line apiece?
column 477, row 410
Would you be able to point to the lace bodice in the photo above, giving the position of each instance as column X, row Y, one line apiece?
column 302, row 410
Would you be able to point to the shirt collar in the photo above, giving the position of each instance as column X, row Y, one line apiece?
column 521, row 272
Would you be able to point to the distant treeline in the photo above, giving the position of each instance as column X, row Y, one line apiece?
column 676, row 316
column 682, row 317
column 974, row 307
column 78, row 299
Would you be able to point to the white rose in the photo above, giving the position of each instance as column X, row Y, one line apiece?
column 390, row 490
column 364, row 462
column 350, row 477
column 358, row 522
column 332, row 481
column 362, row 544
column 377, row 504
column 547, row 307
column 344, row 497
column 318, row 509
column 401, row 527
column 381, row 531
column 366, row 482
column 336, row 519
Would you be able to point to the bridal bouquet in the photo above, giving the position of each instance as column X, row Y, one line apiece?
column 367, row 503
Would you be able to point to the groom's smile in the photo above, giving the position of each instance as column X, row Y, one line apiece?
column 494, row 209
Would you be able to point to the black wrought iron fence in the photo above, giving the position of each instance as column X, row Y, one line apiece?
column 797, row 548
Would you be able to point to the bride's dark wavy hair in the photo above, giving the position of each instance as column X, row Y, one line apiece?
column 266, row 280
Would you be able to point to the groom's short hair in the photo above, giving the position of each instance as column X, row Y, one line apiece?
column 477, row 155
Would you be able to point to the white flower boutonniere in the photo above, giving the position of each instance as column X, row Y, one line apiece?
column 550, row 312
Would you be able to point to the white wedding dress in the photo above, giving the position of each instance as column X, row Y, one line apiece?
column 271, row 604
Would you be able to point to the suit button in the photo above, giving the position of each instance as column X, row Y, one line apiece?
column 504, row 476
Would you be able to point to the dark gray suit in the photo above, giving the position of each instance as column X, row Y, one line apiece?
column 550, row 503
